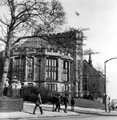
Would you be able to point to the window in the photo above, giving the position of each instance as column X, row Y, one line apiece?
column 85, row 83
column 19, row 68
column 71, row 72
column 79, row 66
column 66, row 88
column 72, row 87
column 22, row 69
column 65, row 71
column 52, row 87
column 30, row 68
column 51, row 69
column 30, row 84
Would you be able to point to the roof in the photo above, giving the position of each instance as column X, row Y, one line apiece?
column 35, row 43
column 64, row 42
column 40, row 43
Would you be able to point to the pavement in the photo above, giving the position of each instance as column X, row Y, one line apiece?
column 47, row 108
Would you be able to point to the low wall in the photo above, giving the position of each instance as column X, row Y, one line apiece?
column 9, row 104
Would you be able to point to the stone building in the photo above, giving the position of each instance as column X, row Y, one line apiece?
column 93, row 81
column 38, row 63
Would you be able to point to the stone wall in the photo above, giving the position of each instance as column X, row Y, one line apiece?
column 8, row 105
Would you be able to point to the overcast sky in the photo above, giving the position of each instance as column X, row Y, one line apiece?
column 101, row 17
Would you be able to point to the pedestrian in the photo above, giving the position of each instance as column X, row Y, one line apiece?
column 58, row 101
column 65, row 100
column 54, row 101
column 112, row 106
column 72, row 103
column 6, row 87
column 38, row 104
column 109, row 106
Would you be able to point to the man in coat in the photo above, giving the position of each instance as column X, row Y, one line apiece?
column 58, row 102
column 38, row 104
column 54, row 101
column 65, row 100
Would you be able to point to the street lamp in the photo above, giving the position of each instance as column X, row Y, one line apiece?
column 105, row 80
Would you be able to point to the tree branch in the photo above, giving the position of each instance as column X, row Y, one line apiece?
column 3, row 31
column 4, row 22
column 2, row 40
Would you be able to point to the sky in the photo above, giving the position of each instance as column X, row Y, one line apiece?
column 100, row 16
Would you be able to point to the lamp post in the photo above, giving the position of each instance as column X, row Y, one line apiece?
column 105, row 81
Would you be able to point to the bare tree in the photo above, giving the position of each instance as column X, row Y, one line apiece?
column 94, row 85
column 98, row 67
column 27, row 19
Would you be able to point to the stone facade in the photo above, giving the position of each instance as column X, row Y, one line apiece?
column 37, row 63
column 54, row 69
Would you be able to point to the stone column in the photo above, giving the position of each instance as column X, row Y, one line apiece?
column 34, row 69
column 26, row 67
column 60, row 71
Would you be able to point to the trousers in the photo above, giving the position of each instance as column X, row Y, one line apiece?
column 40, row 108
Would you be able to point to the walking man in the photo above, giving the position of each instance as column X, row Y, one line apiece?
column 54, row 101
column 65, row 99
column 72, row 104
column 38, row 104
column 58, row 101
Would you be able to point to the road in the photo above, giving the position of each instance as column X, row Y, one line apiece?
column 82, row 117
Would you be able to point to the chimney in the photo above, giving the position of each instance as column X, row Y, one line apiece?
column 90, row 60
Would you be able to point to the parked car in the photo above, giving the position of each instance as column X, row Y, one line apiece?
column 114, row 103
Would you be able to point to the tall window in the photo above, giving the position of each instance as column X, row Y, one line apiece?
column 79, row 67
column 85, row 78
column 51, row 69
column 71, row 72
column 85, row 83
column 19, row 67
column 22, row 69
column 65, row 71
column 30, row 68
column 66, row 88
